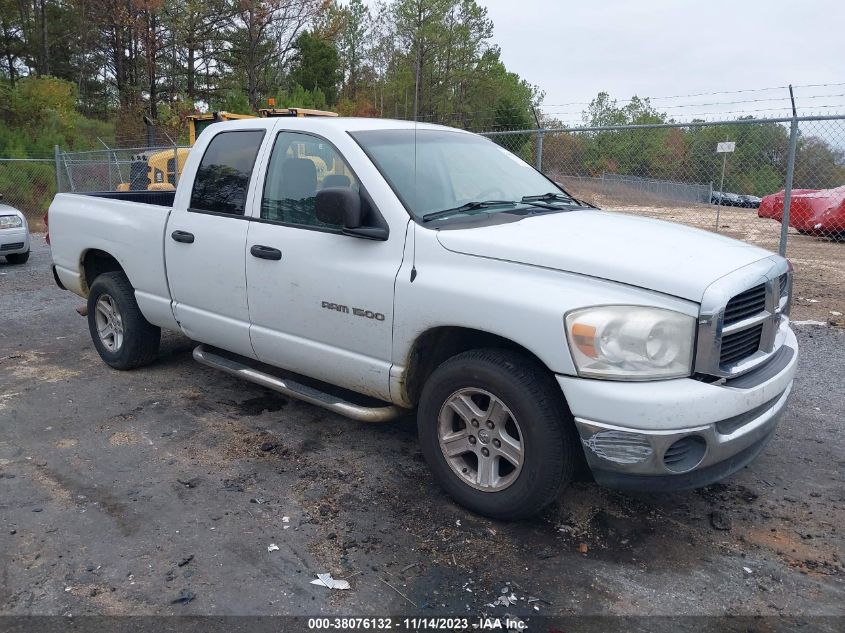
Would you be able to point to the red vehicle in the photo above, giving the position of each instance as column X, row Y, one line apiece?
column 819, row 212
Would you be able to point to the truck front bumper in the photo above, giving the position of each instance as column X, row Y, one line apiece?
column 14, row 241
column 679, row 434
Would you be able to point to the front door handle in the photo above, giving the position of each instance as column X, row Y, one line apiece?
column 266, row 252
column 183, row 236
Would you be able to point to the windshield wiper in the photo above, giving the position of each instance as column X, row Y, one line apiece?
column 551, row 197
column 469, row 206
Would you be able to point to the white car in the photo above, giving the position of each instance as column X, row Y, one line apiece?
column 429, row 269
column 14, row 235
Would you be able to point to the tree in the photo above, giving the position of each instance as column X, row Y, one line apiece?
column 316, row 65
column 352, row 44
column 197, row 30
column 429, row 59
column 263, row 40
column 818, row 165
column 419, row 26
column 11, row 41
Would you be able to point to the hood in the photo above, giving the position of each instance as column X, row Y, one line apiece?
column 652, row 254
column 5, row 209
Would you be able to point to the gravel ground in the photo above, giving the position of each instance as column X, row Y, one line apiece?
column 122, row 492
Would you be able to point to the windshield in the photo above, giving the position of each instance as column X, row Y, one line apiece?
column 440, row 173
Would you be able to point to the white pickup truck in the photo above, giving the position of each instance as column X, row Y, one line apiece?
column 393, row 267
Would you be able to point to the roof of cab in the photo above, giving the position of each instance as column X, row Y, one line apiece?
column 346, row 124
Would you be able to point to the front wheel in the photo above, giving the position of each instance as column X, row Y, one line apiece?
column 496, row 433
column 123, row 337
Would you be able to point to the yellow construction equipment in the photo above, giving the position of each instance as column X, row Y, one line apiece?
column 297, row 112
column 198, row 122
column 160, row 170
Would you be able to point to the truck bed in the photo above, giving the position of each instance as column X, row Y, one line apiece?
column 158, row 198
column 129, row 226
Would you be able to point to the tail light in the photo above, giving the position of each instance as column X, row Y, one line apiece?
column 47, row 226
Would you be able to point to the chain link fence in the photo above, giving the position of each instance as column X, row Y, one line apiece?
column 677, row 172
column 674, row 172
column 123, row 169
column 28, row 184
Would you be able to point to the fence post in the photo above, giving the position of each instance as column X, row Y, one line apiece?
column 538, row 151
column 56, row 152
column 111, row 177
column 790, row 172
column 175, row 164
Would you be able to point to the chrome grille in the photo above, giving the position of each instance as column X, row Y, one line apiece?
column 740, row 344
column 746, row 304
column 11, row 247
column 743, row 319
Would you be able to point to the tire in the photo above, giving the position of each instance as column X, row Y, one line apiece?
column 138, row 342
column 18, row 258
column 533, row 407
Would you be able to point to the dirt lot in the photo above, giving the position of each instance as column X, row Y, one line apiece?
column 130, row 492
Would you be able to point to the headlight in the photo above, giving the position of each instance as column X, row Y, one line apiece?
column 630, row 342
column 159, row 175
column 10, row 222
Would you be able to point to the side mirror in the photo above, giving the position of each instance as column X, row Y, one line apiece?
column 339, row 205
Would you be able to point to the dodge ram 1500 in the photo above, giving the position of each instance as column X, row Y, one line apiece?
column 377, row 268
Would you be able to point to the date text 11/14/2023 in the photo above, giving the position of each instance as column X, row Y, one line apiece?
column 459, row 624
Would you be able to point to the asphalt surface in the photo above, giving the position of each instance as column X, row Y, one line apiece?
column 130, row 492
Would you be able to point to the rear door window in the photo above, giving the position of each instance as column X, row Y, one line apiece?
column 222, row 179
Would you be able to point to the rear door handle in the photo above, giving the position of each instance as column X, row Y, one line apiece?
column 183, row 236
column 266, row 252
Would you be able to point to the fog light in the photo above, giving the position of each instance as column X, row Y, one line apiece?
column 620, row 447
column 685, row 454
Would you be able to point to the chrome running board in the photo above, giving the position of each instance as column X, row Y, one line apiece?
column 295, row 390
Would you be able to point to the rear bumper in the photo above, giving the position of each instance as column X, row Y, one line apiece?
column 679, row 434
column 56, row 278
column 13, row 241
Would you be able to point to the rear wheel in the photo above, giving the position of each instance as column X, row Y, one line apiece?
column 496, row 433
column 18, row 258
column 123, row 337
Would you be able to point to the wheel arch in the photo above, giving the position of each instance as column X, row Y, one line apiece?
column 436, row 345
column 95, row 262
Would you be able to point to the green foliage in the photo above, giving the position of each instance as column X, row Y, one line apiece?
column 352, row 47
column 83, row 71
column 36, row 114
column 819, row 165
column 32, row 101
column 316, row 67
column 29, row 187
column 511, row 115
column 39, row 113
column 688, row 154
column 234, row 101
column 119, row 61
column 299, row 97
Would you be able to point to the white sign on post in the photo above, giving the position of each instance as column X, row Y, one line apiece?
column 726, row 148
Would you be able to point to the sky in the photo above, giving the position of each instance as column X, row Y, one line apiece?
column 659, row 48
